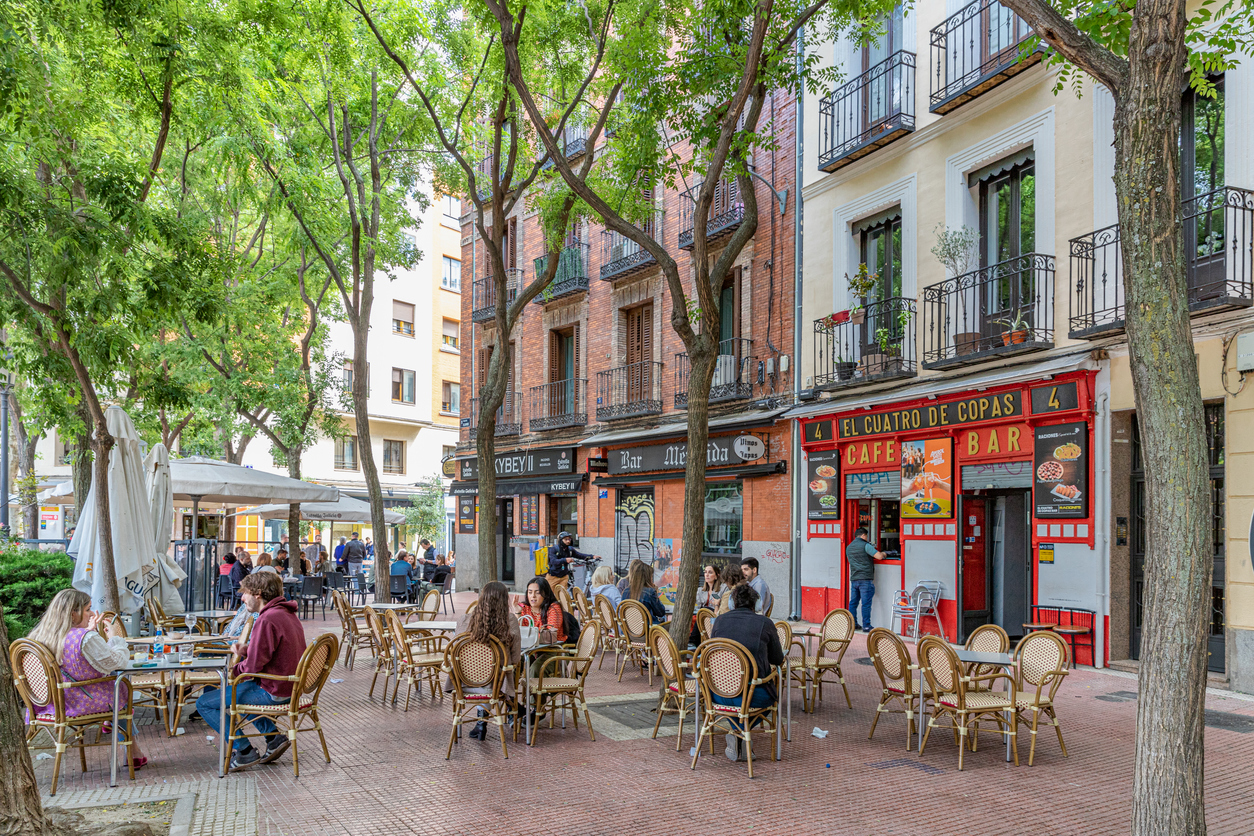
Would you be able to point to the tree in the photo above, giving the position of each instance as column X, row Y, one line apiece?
column 21, row 812
column 27, row 434
column 1141, row 54
column 425, row 515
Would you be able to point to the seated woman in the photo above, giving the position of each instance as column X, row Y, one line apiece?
column 492, row 618
column 624, row 583
column 546, row 614
column 227, row 564
column 641, row 588
column 603, row 584
column 68, row 629
column 264, row 564
column 731, row 576
column 709, row 596
column 758, row 635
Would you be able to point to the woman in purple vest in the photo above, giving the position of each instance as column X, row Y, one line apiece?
column 68, row 629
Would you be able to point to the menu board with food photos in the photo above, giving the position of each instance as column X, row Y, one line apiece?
column 466, row 507
column 927, row 478
column 824, row 488
column 1061, row 478
column 529, row 514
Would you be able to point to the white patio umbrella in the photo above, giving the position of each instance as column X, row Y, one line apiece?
column 168, row 576
column 129, row 518
column 59, row 494
column 214, row 482
column 345, row 509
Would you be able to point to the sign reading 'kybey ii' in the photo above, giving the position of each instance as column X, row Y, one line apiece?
column 546, row 461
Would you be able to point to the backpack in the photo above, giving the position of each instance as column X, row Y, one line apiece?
column 570, row 626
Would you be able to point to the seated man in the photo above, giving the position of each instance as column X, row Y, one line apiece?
column 442, row 571
column 275, row 646
column 758, row 635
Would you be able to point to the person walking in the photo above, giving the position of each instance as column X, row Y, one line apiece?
column 339, row 554
column 861, row 556
column 354, row 555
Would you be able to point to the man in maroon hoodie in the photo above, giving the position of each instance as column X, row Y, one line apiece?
column 275, row 645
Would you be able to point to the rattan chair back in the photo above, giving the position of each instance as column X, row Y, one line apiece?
column 784, row 629
column 396, row 631
column 378, row 633
column 940, row 666
column 430, row 605
column 987, row 638
column 563, row 598
column 891, row 659
column 605, row 614
column 705, row 618
column 1038, row 654
column 586, row 649
column 110, row 625
column 726, row 670
column 37, row 677
column 582, row 604
column 838, row 626
column 635, row 619
column 667, row 657
column 315, row 668
column 475, row 664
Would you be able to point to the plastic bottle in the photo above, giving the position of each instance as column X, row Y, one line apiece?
column 158, row 647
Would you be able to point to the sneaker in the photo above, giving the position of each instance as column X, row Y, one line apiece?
column 241, row 758
column 275, row 748
column 866, row 629
column 733, row 750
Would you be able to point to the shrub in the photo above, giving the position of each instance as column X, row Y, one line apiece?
column 28, row 580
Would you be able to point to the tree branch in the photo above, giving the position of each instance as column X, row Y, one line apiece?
column 1074, row 45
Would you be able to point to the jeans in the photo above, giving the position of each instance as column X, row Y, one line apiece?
column 247, row 692
column 866, row 591
column 760, row 699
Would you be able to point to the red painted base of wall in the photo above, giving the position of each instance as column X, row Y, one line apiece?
column 818, row 601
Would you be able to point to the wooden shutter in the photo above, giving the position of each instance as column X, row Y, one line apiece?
column 576, row 393
column 575, row 349
column 555, row 350
column 511, row 253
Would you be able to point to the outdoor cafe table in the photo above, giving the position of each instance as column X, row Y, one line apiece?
column 131, row 668
column 430, row 625
column 1001, row 660
column 217, row 616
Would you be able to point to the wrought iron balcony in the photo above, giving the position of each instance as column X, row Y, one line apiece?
column 727, row 212
column 1219, row 251
column 868, row 112
column 1005, row 308
column 483, row 294
column 508, row 417
column 734, row 369
column 975, row 50
column 573, row 141
column 629, row 391
column 563, row 403
column 875, row 342
column 622, row 257
column 571, row 276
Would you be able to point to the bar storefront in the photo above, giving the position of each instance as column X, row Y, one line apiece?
column 987, row 491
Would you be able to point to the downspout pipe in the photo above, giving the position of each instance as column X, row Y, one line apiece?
column 1102, row 431
column 798, row 472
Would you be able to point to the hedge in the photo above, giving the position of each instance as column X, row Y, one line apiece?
column 28, row 580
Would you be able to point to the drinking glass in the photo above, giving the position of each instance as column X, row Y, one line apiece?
column 190, row 621
column 187, row 652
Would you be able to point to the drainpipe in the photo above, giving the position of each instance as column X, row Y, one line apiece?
column 1103, row 521
column 798, row 477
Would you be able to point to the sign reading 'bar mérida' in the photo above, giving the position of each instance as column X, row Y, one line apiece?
column 674, row 456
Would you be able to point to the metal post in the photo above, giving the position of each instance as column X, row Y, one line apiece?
column 4, row 456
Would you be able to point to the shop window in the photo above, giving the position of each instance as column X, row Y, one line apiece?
column 402, row 319
column 394, row 457
column 724, row 518
column 402, row 386
column 346, row 453
column 564, row 516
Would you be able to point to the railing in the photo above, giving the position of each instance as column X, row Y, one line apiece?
column 976, row 50
column 621, row 256
column 563, row 403
column 483, row 298
column 629, row 391
column 1096, row 284
column 508, row 419
column 571, row 276
column 573, row 142
column 483, row 175
column 733, row 373
column 727, row 211
column 876, row 342
column 868, row 112
column 1005, row 307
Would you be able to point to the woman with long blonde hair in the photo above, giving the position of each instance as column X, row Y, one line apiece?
column 68, row 630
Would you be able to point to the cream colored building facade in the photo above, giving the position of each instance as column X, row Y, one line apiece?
column 942, row 126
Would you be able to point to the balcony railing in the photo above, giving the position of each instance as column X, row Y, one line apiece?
column 483, row 299
column 573, row 141
column 727, row 212
column 1004, row 308
column 571, row 276
column 622, row 257
column 868, row 112
column 629, row 391
column 976, row 50
column 1218, row 231
column 563, row 403
column 508, row 417
column 877, row 342
column 733, row 373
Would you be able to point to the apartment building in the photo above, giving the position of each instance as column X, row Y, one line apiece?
column 981, row 422
column 591, row 437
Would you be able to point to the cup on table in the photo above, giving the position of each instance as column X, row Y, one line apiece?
column 141, row 656
column 187, row 653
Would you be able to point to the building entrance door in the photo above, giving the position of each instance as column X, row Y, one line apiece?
column 994, row 565
column 505, row 528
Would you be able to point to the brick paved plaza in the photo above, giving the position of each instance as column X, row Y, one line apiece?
column 388, row 774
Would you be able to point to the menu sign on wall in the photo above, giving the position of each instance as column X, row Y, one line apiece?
column 927, row 478
column 466, row 514
column 824, row 487
column 529, row 514
column 1061, row 462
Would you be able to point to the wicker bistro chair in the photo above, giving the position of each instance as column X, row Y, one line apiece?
column 190, row 684
column 430, row 606
column 563, row 597
column 565, row 690
column 384, row 662
column 158, row 617
column 987, row 638
column 609, row 629
column 582, row 605
column 353, row 631
column 147, row 688
column 705, row 618
column 795, row 659
column 834, row 637
column 477, row 671
column 892, row 662
column 417, row 657
column 679, row 690
column 1042, row 664
column 634, row 621
column 42, row 686
column 311, row 675
column 953, row 698
column 725, row 669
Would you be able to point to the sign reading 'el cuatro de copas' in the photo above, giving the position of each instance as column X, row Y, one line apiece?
column 948, row 414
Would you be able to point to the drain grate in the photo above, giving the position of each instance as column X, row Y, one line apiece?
column 864, row 660
column 910, row 762
column 1228, row 721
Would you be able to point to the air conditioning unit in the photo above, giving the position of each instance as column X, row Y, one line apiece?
column 725, row 370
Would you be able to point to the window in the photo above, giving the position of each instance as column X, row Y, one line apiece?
column 1204, row 195
column 402, row 386
column 881, row 253
column 451, row 340
column 564, row 515
column 451, row 399
column 882, row 94
column 564, row 371
column 452, row 211
column 1007, row 232
column 394, row 457
column 447, row 451
column 346, row 453
column 402, row 318
column 452, row 277
column 64, row 453
column 724, row 518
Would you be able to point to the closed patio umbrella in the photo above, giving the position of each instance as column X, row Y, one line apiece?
column 168, row 576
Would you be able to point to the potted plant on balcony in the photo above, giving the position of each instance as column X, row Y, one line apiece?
column 957, row 250
column 1017, row 328
column 889, row 342
column 844, row 368
column 860, row 284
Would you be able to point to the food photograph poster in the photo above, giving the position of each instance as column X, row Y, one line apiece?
column 824, row 486
column 927, row 478
column 1062, row 470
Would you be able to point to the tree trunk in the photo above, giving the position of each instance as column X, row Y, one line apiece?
column 102, row 444
column 21, row 813
column 80, row 460
column 293, row 510
column 491, row 396
column 365, row 454
column 1167, row 782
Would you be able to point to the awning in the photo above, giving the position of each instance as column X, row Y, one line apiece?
column 737, row 471
column 746, row 420
column 523, row 487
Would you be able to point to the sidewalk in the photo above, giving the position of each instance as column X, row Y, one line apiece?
column 388, row 772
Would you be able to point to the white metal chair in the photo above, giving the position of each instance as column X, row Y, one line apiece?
column 921, row 602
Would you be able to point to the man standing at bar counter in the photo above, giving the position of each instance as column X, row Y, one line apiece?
column 862, row 556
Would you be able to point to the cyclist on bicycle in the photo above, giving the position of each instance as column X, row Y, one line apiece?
column 559, row 560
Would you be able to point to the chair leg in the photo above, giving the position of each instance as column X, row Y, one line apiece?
column 875, row 720
column 841, row 676
column 749, row 750
column 1058, row 729
column 56, row 763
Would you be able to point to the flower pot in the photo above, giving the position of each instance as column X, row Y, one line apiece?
column 966, row 342
column 880, row 364
column 1014, row 337
column 844, row 371
column 858, row 317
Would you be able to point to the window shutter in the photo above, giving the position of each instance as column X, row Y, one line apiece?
column 555, row 346
column 575, row 364
column 646, row 335
column 403, row 311
column 511, row 256
column 736, row 323
column 633, row 336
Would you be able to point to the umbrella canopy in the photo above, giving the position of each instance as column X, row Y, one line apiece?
column 167, row 576
column 344, row 509
column 130, row 522
column 210, row 481
column 59, row 494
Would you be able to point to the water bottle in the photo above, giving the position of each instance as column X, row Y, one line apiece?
column 158, row 647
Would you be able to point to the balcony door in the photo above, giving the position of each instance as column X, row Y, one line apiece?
column 1002, row 30
column 563, row 370
column 727, row 367
column 1006, row 287
column 1202, row 188
column 639, row 353
column 881, row 253
column 882, row 92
